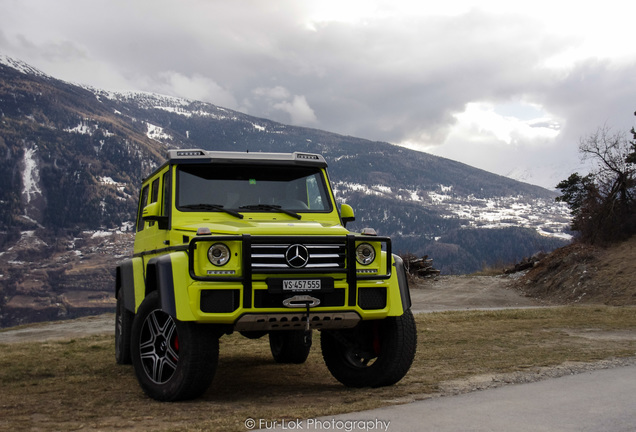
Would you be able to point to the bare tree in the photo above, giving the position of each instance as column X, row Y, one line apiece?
column 631, row 158
column 602, row 203
column 614, row 174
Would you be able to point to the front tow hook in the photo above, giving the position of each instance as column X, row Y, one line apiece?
column 301, row 301
column 306, row 302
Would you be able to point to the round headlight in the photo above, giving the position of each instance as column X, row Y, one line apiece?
column 219, row 254
column 365, row 254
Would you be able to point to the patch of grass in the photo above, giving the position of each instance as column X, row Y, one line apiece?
column 76, row 384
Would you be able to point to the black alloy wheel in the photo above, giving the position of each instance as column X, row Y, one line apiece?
column 173, row 360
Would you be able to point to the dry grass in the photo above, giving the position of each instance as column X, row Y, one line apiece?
column 493, row 269
column 76, row 384
column 581, row 273
column 486, row 270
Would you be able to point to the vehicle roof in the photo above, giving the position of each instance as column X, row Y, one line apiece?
column 202, row 156
column 199, row 156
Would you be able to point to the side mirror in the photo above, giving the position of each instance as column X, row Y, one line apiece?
column 346, row 214
column 152, row 212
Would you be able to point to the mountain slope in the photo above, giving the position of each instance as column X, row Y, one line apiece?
column 60, row 144
column 74, row 158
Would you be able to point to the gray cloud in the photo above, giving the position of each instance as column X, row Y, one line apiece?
column 401, row 78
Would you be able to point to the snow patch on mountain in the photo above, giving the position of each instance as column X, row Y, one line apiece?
column 145, row 100
column 156, row 133
column 21, row 66
column 82, row 128
column 30, row 176
column 175, row 110
column 547, row 217
column 121, row 187
column 438, row 197
column 33, row 199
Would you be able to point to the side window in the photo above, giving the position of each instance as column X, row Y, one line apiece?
column 155, row 191
column 154, row 195
column 166, row 194
column 143, row 201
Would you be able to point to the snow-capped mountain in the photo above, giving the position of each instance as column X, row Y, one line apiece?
column 74, row 157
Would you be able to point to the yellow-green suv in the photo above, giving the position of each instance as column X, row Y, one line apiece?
column 254, row 243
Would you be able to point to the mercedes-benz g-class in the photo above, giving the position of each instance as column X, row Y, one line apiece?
column 254, row 243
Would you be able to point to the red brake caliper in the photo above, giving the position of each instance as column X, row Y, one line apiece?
column 176, row 345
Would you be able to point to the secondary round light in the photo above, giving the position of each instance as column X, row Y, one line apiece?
column 365, row 254
column 219, row 254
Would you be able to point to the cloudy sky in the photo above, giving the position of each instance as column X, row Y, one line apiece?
column 510, row 87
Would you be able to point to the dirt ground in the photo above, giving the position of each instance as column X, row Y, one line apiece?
column 427, row 295
column 468, row 292
column 581, row 273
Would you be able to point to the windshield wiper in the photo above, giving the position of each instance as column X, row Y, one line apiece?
column 216, row 207
column 269, row 207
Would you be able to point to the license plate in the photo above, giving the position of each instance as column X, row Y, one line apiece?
column 302, row 285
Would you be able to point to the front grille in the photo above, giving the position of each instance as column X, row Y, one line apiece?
column 321, row 256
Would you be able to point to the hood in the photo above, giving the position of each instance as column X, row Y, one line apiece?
column 266, row 227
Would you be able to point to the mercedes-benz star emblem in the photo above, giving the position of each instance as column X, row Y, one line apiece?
column 297, row 256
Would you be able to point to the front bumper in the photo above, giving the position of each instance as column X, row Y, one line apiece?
column 248, row 301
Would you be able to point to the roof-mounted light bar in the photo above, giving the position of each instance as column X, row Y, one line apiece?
column 307, row 156
column 198, row 155
column 187, row 153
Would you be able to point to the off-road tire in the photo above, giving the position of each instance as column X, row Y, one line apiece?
column 373, row 354
column 173, row 360
column 289, row 346
column 123, row 329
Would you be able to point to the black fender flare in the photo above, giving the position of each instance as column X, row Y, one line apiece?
column 159, row 278
column 403, row 282
column 125, row 280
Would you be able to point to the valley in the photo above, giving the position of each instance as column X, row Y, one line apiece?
column 76, row 155
column 54, row 279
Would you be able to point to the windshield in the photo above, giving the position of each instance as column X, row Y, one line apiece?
column 250, row 188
